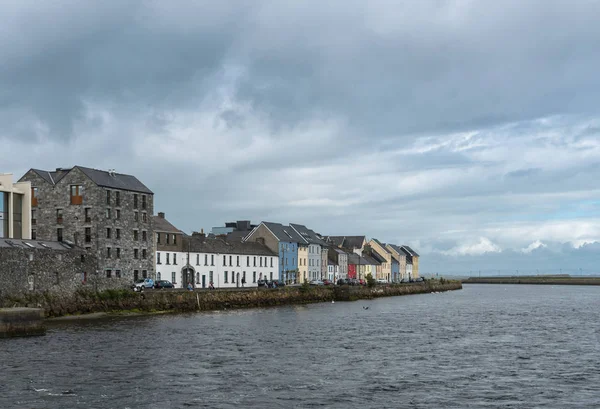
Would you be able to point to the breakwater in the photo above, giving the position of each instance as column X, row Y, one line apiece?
column 554, row 280
column 21, row 322
column 84, row 302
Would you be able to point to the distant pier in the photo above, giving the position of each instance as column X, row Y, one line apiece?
column 554, row 280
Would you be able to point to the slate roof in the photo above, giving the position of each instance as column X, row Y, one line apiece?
column 371, row 261
column 307, row 234
column 377, row 257
column 408, row 255
column 36, row 244
column 237, row 235
column 284, row 233
column 349, row 242
column 162, row 225
column 220, row 246
column 411, row 251
column 99, row 177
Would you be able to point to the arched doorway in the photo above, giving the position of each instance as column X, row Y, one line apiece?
column 187, row 276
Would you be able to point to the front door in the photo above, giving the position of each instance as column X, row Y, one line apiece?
column 203, row 281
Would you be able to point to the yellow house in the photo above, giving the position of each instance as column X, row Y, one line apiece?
column 414, row 256
column 382, row 254
column 303, row 263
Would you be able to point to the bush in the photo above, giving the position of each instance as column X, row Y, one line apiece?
column 305, row 287
column 370, row 280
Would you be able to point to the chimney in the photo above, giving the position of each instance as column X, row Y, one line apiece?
column 161, row 215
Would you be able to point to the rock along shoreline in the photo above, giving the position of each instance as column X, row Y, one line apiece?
column 119, row 301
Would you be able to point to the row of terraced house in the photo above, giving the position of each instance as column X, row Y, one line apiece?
column 109, row 218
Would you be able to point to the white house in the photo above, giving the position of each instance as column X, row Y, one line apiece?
column 225, row 264
column 333, row 271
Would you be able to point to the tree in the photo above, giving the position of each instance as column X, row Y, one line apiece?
column 370, row 280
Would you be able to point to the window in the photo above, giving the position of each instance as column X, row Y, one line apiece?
column 254, row 276
column 224, row 260
column 88, row 234
column 238, row 261
column 118, row 252
column 271, row 276
column 118, row 235
column 108, row 213
column 136, row 216
column 117, row 198
column 158, row 276
column 230, row 263
column 108, row 197
column 59, row 234
column 108, row 252
column 59, row 216
column 33, row 217
column 175, row 258
column 254, row 261
column 260, row 259
column 33, row 234
column 206, row 259
column 76, row 194
column 144, row 254
column 225, row 276
column 136, row 253
column 145, row 218
column 212, row 259
column 34, row 196
column 108, row 232
column 118, row 273
column 136, row 275
column 135, row 201
column 167, row 236
column 168, row 254
column 271, row 261
column 244, row 277
column 248, row 261
column 158, row 258
column 157, row 238
column 88, row 216
column 144, row 235
column 143, row 201
column 118, row 214
column 173, row 278
column 294, row 261
column 135, row 235
column 210, row 276
column 197, row 259
column 197, row 278
column 174, row 239
column 108, row 273
column 144, row 274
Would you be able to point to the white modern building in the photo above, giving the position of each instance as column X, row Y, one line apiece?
column 15, row 208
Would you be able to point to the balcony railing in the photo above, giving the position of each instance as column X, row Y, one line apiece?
column 76, row 200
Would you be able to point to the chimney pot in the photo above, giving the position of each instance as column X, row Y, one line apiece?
column 161, row 215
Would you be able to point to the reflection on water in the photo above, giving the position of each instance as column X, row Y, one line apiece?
column 490, row 346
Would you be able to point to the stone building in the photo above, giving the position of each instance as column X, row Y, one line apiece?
column 15, row 208
column 107, row 213
column 28, row 266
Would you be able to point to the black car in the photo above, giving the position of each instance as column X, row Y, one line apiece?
column 163, row 284
column 262, row 283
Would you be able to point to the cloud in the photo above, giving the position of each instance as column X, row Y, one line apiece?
column 533, row 246
column 461, row 128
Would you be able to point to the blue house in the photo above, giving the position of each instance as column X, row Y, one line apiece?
column 282, row 240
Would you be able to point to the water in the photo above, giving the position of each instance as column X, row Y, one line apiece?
column 487, row 346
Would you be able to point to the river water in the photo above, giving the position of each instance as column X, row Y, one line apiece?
column 487, row 346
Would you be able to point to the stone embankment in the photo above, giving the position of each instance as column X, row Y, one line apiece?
column 85, row 302
column 21, row 322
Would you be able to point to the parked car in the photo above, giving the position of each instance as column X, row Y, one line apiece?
column 316, row 282
column 420, row 279
column 279, row 283
column 163, row 284
column 341, row 281
column 362, row 282
column 262, row 283
column 327, row 282
column 404, row 280
column 381, row 281
column 142, row 284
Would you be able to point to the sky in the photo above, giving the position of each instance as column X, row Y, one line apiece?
column 468, row 129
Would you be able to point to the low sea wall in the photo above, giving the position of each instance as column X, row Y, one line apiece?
column 84, row 302
column 534, row 280
column 20, row 322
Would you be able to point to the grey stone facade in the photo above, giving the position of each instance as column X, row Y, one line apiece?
column 29, row 266
column 111, row 217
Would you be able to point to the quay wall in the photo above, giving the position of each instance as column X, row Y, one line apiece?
column 83, row 302
column 20, row 322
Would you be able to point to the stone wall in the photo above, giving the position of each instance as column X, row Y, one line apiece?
column 205, row 300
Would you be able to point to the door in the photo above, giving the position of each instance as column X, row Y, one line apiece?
column 203, row 281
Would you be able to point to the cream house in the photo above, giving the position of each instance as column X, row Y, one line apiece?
column 15, row 208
